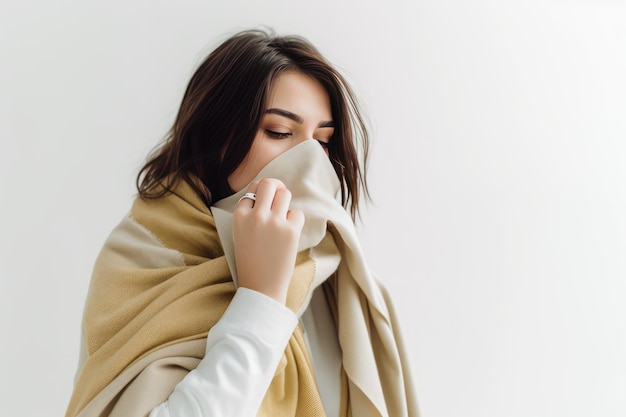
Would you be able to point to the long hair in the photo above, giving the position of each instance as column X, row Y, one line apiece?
column 222, row 108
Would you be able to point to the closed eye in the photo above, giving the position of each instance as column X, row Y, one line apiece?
column 324, row 144
column 278, row 135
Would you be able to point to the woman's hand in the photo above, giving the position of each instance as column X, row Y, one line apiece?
column 266, row 235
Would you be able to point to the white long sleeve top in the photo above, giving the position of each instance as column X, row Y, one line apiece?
column 242, row 353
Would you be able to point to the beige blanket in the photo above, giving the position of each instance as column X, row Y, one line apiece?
column 166, row 274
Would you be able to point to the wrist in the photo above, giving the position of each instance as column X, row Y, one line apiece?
column 277, row 294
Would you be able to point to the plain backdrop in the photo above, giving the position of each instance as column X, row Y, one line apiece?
column 498, row 169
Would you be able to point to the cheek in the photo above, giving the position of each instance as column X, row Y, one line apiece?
column 263, row 150
column 248, row 168
column 267, row 149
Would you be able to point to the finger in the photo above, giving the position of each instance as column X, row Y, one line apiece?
column 266, row 191
column 248, row 203
column 296, row 217
column 282, row 199
column 252, row 187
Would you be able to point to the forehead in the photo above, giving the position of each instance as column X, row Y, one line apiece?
column 300, row 94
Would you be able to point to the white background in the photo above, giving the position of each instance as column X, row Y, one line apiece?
column 498, row 175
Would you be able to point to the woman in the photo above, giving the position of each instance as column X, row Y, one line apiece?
column 236, row 286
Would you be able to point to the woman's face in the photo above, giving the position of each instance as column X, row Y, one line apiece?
column 298, row 110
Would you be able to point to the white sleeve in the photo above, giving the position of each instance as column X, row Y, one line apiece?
column 242, row 354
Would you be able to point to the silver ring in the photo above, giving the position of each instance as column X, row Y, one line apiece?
column 251, row 196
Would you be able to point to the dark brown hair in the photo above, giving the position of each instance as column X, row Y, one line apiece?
column 222, row 109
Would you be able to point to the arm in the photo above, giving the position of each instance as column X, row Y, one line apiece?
column 245, row 346
column 242, row 353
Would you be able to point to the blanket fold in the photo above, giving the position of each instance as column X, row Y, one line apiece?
column 166, row 274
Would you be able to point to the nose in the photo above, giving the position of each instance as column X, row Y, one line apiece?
column 304, row 138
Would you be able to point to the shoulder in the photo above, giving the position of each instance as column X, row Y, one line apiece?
column 179, row 220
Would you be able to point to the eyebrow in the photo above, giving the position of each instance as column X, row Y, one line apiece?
column 296, row 118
